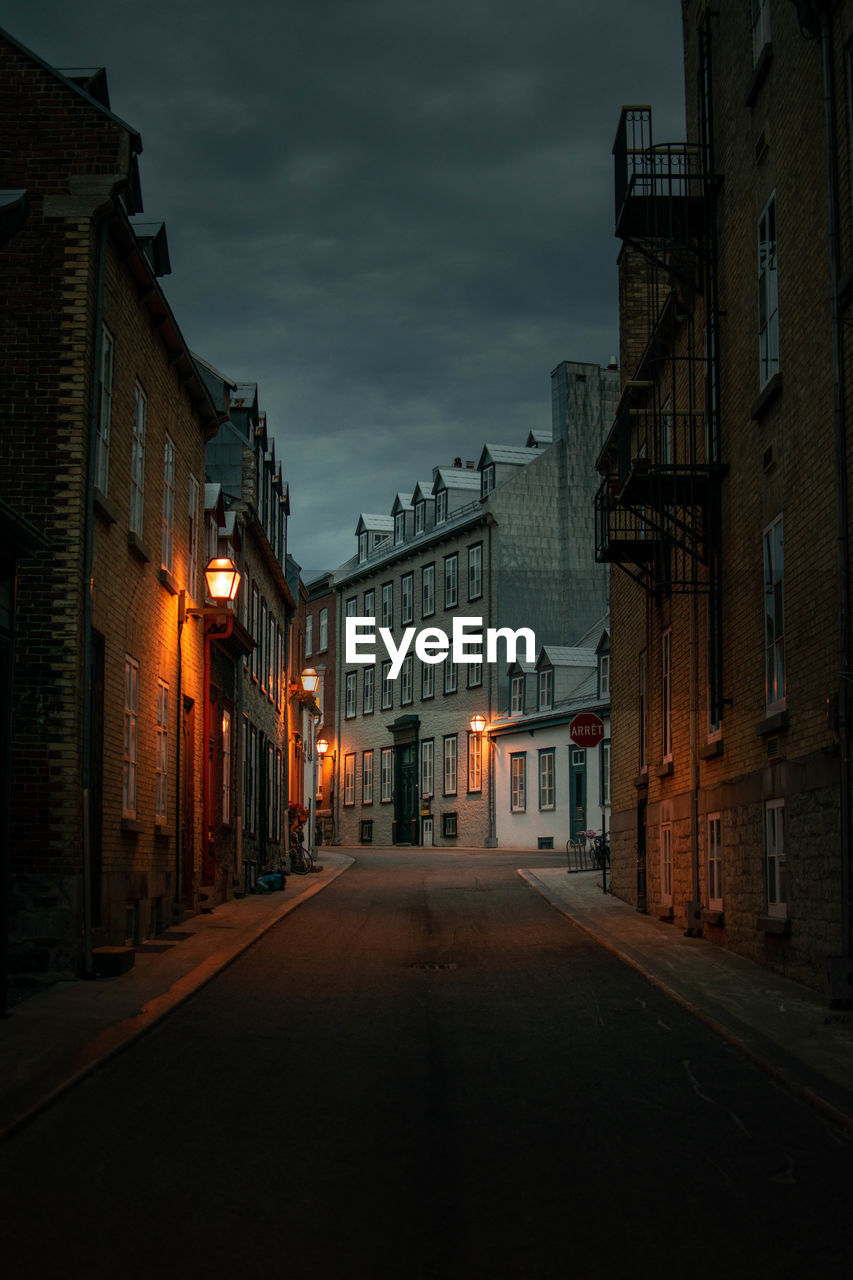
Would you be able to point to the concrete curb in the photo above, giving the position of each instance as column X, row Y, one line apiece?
column 109, row 1043
column 780, row 1074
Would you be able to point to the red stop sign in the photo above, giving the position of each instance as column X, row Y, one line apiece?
column 587, row 729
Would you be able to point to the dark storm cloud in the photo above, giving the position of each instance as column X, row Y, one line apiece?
column 395, row 217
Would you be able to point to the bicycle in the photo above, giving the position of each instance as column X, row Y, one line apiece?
column 301, row 861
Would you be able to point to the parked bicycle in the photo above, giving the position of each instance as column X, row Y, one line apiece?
column 301, row 861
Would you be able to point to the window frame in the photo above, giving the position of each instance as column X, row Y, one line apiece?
column 407, row 681
column 427, row 770
column 545, row 689
column 350, row 695
column 451, row 580
column 193, row 540
column 768, row 292
column 386, row 765
column 518, row 782
column 387, row 613
column 775, row 672
column 161, row 796
column 137, row 460
column 349, row 780
column 475, row 763
column 428, row 591
column 130, row 762
column 368, row 690
column 775, row 860
column 475, row 570
column 449, row 754
column 516, row 695
column 666, row 863
column 547, row 754
column 367, row 776
column 666, row 694
column 487, row 480
column 105, row 401
column 427, row 681
column 386, row 687
column 167, row 540
column 714, row 860
column 407, row 598
column 227, row 759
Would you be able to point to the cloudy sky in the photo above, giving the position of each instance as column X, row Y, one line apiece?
column 394, row 216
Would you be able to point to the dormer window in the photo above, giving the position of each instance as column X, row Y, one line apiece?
column 441, row 506
column 399, row 527
column 516, row 702
column 362, row 547
column 420, row 516
column 546, row 689
column 487, row 480
column 604, row 675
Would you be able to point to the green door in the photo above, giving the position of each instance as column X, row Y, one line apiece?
column 406, row 812
column 577, row 790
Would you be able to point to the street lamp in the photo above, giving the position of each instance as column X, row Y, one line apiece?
column 478, row 724
column 478, row 727
column 222, row 581
column 310, row 680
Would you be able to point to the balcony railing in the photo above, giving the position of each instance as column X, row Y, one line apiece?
column 659, row 188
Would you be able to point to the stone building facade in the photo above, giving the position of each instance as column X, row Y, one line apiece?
column 102, row 450
column 724, row 498
column 507, row 542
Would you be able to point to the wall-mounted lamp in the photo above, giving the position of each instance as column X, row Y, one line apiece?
column 478, row 724
column 222, row 580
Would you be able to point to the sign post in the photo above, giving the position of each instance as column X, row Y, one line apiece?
column 587, row 730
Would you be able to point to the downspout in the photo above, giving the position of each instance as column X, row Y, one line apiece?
column 88, row 559
column 841, row 970
column 492, row 837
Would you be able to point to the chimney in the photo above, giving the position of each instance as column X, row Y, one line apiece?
column 469, row 466
column 457, row 462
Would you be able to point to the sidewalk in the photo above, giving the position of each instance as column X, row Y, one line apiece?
column 782, row 1026
column 53, row 1039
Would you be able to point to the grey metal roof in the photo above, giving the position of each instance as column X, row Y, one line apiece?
column 456, row 478
column 212, row 494
column 423, row 489
column 402, row 502
column 535, row 438
column 564, row 656
column 371, row 523
column 518, row 454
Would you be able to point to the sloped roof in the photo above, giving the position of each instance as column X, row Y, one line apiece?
column 422, row 490
column 402, row 502
column 516, row 454
column 371, row 523
column 555, row 655
column 456, row 478
column 535, row 438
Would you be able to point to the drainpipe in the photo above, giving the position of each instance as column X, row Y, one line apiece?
column 841, row 968
column 88, row 557
column 492, row 837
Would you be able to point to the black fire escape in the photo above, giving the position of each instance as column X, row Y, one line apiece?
column 658, row 507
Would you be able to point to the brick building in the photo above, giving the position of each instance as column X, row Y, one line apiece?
column 241, row 463
column 507, row 540
column 724, row 499
column 102, row 451
column 321, row 652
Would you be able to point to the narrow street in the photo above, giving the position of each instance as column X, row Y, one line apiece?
column 427, row 1072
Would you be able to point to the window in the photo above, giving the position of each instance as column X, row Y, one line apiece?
column 387, row 687
column 227, row 748
column 399, row 527
column 367, row 690
column 604, row 675
column 760, row 27
column 774, row 617
column 105, row 389
column 604, row 770
column 407, row 598
column 715, row 862
column 451, row 676
column 407, row 681
column 270, row 789
column 352, row 607
column 420, row 516
column 427, row 680
column 516, row 702
column 475, row 762
column 256, row 622
column 475, row 675
column 518, row 782
column 263, row 661
column 475, row 571
column 367, row 777
column 309, row 634
column 768, row 294
column 351, row 693
column 428, row 590
column 387, row 775
column 441, row 506
column 349, row 778
column 642, row 717
column 192, row 556
column 388, row 604
column 168, row 539
column 362, row 547
column 666, row 864
column 451, row 581
column 137, row 459
column 324, row 630
column 131, row 745
column 450, row 765
column 487, row 480
column 546, row 689
column 427, row 767
column 774, row 844
column 546, row 779
column 162, row 762
column 369, row 605
column 666, row 694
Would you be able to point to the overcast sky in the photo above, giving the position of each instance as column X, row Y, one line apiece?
column 395, row 216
